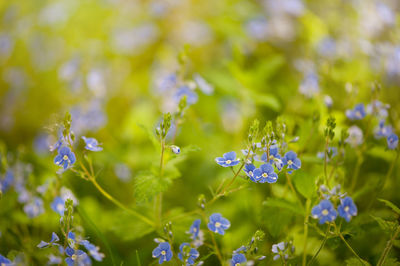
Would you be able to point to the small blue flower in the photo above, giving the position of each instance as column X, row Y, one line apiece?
column 324, row 211
column 265, row 174
column 347, row 208
column 188, row 257
column 54, row 239
column 278, row 249
column 218, row 224
column 92, row 144
column 77, row 257
column 273, row 155
column 382, row 130
column 228, row 159
column 241, row 249
column 175, row 149
column 249, row 170
column 8, row 180
column 58, row 205
column 195, row 229
column 34, row 208
column 163, row 252
column 357, row 113
column 392, row 141
column 290, row 159
column 4, row 261
column 93, row 250
column 238, row 259
column 54, row 260
column 65, row 157
column 191, row 96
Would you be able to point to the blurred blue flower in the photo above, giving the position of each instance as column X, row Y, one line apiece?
column 347, row 208
column 357, row 113
column 290, row 159
column 309, row 87
column 189, row 257
column 355, row 137
column 218, row 224
column 191, row 96
column 163, row 252
column 249, row 170
column 54, row 239
column 34, row 208
column 54, row 260
column 265, row 174
column 324, row 211
column 278, row 249
column 238, row 259
column 333, row 152
column 203, row 85
column 92, row 144
column 378, row 109
column 257, row 28
column 58, row 205
column 382, row 130
column 65, row 157
column 195, row 229
column 228, row 159
column 8, row 180
column 392, row 141
column 93, row 250
column 77, row 257
column 4, row 261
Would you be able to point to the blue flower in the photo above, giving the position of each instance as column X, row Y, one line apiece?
column 357, row 113
column 279, row 249
column 238, row 259
column 392, row 141
column 93, row 250
column 77, row 257
column 324, row 211
column 347, row 208
column 228, row 159
column 54, row 260
column 54, row 239
column 4, row 261
column 382, row 130
column 71, row 239
column 8, row 180
column 65, row 157
column 188, row 257
column 203, row 85
column 195, row 229
column 249, row 170
column 218, row 224
column 58, row 205
column 163, row 252
column 265, row 174
column 34, row 208
column 92, row 144
column 191, row 96
column 290, row 159
column 309, row 87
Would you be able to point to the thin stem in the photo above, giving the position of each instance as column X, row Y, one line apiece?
column 326, row 158
column 289, row 182
column 218, row 253
column 348, row 245
column 360, row 160
column 306, row 219
column 388, row 247
column 321, row 246
column 119, row 204
column 158, row 206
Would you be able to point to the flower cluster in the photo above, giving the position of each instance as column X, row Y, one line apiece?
column 325, row 211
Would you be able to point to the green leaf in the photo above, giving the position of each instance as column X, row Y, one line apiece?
column 387, row 226
column 391, row 262
column 304, row 183
column 356, row 262
column 147, row 185
column 391, row 205
column 283, row 204
column 127, row 227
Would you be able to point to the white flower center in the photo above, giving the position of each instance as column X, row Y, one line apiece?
column 217, row 224
column 65, row 157
column 325, row 212
column 73, row 257
column 60, row 207
column 271, row 157
column 250, row 173
column 346, row 209
column 195, row 230
column 264, row 175
column 228, row 161
column 163, row 253
column 289, row 162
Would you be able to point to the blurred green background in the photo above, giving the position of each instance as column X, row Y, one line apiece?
column 107, row 62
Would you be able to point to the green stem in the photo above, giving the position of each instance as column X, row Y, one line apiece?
column 158, row 207
column 348, row 245
column 290, row 184
column 322, row 245
column 306, row 219
column 388, row 247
